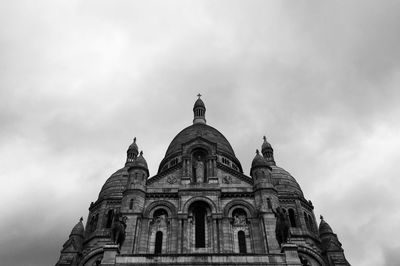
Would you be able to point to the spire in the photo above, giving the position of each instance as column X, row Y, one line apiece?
column 199, row 111
column 268, row 152
column 330, row 244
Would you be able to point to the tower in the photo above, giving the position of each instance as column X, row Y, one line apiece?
column 331, row 246
column 71, row 252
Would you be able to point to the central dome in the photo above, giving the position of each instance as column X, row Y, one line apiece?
column 200, row 130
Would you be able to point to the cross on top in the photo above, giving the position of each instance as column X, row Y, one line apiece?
column 199, row 95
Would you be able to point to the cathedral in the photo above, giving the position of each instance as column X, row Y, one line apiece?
column 201, row 209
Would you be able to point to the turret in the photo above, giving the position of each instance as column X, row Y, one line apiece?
column 72, row 249
column 331, row 246
column 131, row 153
column 261, row 172
column 265, row 192
column 199, row 111
column 268, row 152
column 134, row 197
column 138, row 173
column 265, row 196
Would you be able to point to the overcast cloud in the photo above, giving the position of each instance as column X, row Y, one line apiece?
column 80, row 79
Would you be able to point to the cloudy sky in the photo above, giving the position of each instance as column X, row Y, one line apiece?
column 80, row 79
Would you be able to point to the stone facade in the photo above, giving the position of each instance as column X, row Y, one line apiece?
column 201, row 209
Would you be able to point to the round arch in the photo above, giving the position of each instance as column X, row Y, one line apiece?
column 209, row 202
column 208, row 147
column 235, row 204
column 168, row 206
column 307, row 252
column 91, row 255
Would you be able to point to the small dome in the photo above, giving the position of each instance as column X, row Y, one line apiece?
column 265, row 144
column 115, row 184
column 284, row 181
column 78, row 228
column 259, row 161
column 324, row 227
column 140, row 161
column 199, row 103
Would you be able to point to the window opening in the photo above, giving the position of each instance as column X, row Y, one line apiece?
column 110, row 216
column 306, row 220
column 158, row 244
column 292, row 218
column 200, row 227
column 242, row 242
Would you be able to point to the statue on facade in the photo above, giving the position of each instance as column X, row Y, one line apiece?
column 239, row 220
column 282, row 226
column 118, row 229
column 199, row 170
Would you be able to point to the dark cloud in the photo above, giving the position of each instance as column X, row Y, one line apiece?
column 80, row 80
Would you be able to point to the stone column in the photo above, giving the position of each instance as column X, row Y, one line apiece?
column 216, row 233
column 258, row 239
column 215, row 167
column 185, row 236
column 144, row 236
column 227, row 236
column 270, row 223
column 209, row 173
column 174, row 229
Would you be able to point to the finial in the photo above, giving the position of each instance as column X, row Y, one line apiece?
column 134, row 139
column 81, row 219
column 199, row 95
column 265, row 138
column 141, row 153
column 321, row 217
column 257, row 152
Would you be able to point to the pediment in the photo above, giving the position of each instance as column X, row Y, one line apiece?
column 170, row 179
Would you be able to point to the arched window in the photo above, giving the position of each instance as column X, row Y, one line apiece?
column 131, row 204
column 242, row 242
column 292, row 218
column 310, row 221
column 110, row 216
column 96, row 220
column 93, row 223
column 158, row 243
column 306, row 220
